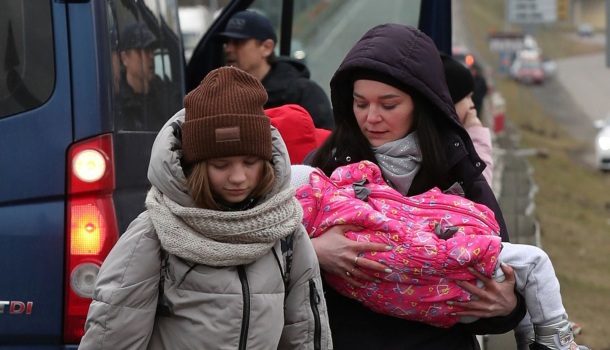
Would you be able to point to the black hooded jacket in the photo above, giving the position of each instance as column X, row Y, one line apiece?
column 415, row 63
column 288, row 82
column 147, row 111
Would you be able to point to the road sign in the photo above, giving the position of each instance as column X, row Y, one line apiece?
column 506, row 41
column 531, row 11
column 563, row 10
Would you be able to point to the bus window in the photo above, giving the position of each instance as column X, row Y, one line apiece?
column 147, row 58
column 27, row 76
column 195, row 18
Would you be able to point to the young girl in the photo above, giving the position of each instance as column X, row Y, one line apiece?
column 460, row 82
column 435, row 238
column 219, row 260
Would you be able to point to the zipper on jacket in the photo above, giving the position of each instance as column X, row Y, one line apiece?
column 245, row 322
column 314, row 300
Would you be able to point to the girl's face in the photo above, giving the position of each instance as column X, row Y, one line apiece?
column 463, row 106
column 234, row 178
column 384, row 113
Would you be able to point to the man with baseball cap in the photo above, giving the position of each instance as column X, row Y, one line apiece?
column 136, row 47
column 250, row 42
column 146, row 101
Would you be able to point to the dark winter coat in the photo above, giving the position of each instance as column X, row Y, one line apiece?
column 288, row 82
column 416, row 64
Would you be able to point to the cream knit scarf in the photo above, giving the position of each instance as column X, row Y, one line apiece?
column 223, row 238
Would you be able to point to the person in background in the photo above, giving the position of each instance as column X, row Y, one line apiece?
column 250, row 43
column 392, row 107
column 461, row 84
column 145, row 99
column 219, row 259
column 297, row 129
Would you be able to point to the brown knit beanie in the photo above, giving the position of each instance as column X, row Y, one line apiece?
column 225, row 117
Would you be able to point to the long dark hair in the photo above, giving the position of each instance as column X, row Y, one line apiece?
column 434, row 169
column 348, row 145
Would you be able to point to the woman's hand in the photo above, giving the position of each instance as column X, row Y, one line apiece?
column 339, row 255
column 494, row 298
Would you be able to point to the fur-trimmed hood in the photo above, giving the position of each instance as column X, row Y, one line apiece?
column 165, row 169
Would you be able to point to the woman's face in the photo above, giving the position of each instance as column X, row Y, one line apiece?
column 384, row 113
column 234, row 178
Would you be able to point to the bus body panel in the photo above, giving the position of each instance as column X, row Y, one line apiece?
column 32, row 206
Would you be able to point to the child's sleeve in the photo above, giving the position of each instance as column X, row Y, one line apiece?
column 299, row 174
column 305, row 196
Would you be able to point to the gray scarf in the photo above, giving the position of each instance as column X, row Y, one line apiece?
column 400, row 161
column 223, row 238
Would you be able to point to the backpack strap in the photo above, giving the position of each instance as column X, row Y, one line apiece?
column 162, row 308
column 286, row 244
column 287, row 247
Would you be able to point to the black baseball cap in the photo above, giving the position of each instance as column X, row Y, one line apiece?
column 249, row 24
column 136, row 36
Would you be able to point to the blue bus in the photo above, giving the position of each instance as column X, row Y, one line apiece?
column 84, row 87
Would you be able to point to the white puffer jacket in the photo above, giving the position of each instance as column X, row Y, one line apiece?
column 235, row 307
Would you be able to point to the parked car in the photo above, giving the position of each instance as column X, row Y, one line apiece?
column 528, row 68
column 602, row 144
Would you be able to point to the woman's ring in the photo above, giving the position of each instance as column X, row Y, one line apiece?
column 356, row 260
